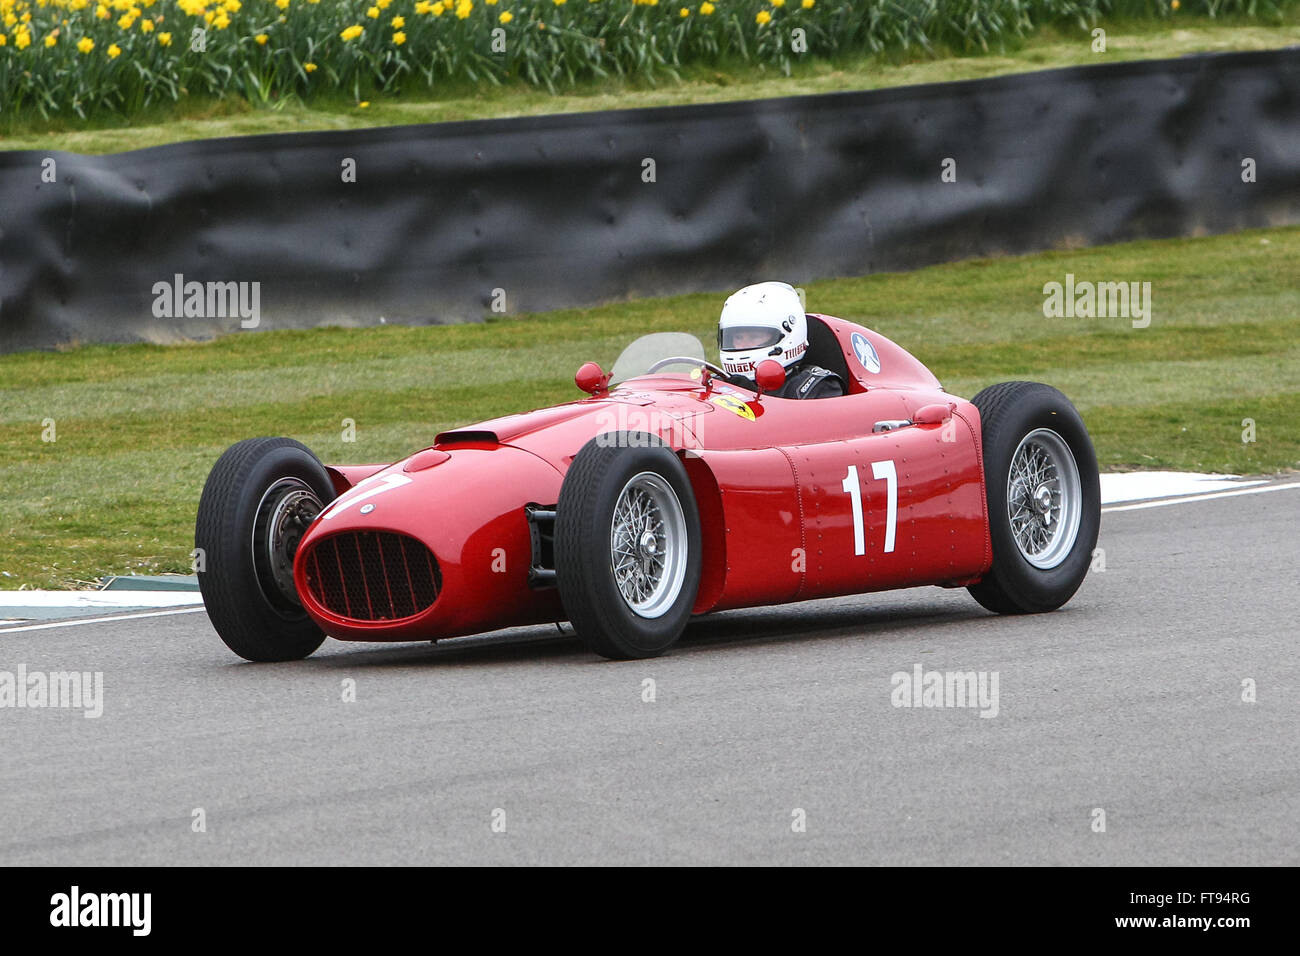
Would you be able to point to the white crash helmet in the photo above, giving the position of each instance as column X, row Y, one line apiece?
column 762, row 321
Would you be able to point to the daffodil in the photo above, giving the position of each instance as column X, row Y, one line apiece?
column 706, row 9
column 164, row 39
column 114, row 51
column 85, row 44
column 506, row 16
column 398, row 22
column 399, row 38
column 309, row 67
column 51, row 40
column 261, row 39
column 373, row 13
column 352, row 32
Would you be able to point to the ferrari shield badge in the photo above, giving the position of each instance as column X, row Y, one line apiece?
column 734, row 405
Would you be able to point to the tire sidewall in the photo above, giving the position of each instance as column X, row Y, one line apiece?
column 249, row 623
column 631, row 634
column 1038, row 589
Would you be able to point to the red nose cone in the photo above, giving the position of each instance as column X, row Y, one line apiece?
column 591, row 379
column 769, row 375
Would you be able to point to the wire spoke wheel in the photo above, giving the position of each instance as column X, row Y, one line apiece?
column 648, row 545
column 1044, row 498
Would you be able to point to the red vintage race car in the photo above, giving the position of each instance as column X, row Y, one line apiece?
column 670, row 491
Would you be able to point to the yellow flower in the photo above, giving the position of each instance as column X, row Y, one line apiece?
column 559, row 3
column 373, row 13
column 146, row 26
column 399, row 22
column 164, row 39
column 383, row 4
column 506, row 16
column 22, row 40
column 706, row 9
column 763, row 17
column 3, row 39
column 464, row 9
column 399, row 38
column 1174, row 4
column 309, row 67
column 282, row 4
column 778, row 3
column 684, row 12
column 102, row 12
column 490, row 3
column 51, row 40
column 125, row 21
column 114, row 51
column 352, row 32
column 438, row 9
column 808, row 4
column 424, row 6
column 363, row 104
column 85, row 44
column 261, row 39
column 222, row 20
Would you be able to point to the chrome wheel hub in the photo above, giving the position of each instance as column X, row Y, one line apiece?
column 285, row 512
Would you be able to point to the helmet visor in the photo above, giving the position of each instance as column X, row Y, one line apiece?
column 742, row 338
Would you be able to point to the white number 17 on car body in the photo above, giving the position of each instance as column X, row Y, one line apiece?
column 879, row 469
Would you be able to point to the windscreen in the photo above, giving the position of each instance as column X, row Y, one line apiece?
column 641, row 355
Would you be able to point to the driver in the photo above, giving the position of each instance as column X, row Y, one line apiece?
column 767, row 321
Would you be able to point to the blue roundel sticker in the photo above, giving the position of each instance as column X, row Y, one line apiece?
column 866, row 353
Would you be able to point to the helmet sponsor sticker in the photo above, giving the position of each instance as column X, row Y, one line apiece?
column 734, row 405
column 865, row 353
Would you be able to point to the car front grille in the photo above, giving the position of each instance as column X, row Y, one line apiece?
column 372, row 575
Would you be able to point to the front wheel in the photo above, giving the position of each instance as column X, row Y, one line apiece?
column 627, row 546
column 258, row 501
column 1044, row 497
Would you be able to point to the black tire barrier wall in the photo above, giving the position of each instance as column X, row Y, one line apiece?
column 556, row 211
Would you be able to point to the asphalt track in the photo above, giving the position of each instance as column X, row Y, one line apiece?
column 1128, row 700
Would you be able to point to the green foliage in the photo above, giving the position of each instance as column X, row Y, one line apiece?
column 84, row 58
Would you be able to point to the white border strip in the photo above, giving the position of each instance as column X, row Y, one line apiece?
column 1217, row 494
column 99, row 620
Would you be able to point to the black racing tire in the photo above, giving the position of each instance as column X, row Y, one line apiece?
column 650, row 474
column 248, row 593
column 1022, row 581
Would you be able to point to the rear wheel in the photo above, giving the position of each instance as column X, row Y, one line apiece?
column 258, row 501
column 627, row 546
column 1044, row 497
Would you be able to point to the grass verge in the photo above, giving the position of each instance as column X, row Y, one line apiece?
column 137, row 427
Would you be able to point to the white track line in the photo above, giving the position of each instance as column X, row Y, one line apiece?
column 1217, row 494
column 100, row 620
column 194, row 610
